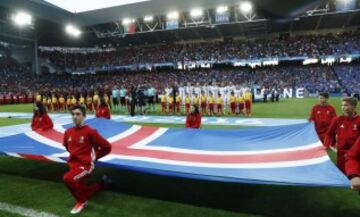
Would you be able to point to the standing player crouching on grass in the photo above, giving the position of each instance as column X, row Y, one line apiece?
column 344, row 131
column 321, row 115
column 85, row 146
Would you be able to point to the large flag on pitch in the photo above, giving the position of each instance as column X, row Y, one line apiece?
column 284, row 155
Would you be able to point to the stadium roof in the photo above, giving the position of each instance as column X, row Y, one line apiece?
column 279, row 16
column 90, row 13
column 79, row 6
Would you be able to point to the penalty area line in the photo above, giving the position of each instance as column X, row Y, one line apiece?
column 22, row 211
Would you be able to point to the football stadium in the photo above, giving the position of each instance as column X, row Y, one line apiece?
column 201, row 108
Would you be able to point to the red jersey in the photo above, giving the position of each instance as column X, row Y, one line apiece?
column 193, row 121
column 343, row 132
column 85, row 145
column 41, row 122
column 322, row 115
column 352, row 160
column 103, row 112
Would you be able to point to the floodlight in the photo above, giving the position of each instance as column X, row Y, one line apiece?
column 22, row 18
column 222, row 9
column 196, row 12
column 246, row 7
column 72, row 30
column 173, row 15
column 148, row 18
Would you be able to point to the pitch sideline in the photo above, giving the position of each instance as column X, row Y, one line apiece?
column 22, row 211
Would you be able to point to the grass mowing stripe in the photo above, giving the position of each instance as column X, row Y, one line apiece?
column 24, row 211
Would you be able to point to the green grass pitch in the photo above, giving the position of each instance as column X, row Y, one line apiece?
column 37, row 185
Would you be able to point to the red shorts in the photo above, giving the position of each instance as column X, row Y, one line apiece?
column 203, row 105
column 241, row 106
column 248, row 104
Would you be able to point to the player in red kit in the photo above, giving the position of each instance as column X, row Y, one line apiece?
column 41, row 120
column 352, row 165
column 85, row 146
column 321, row 115
column 344, row 130
column 103, row 110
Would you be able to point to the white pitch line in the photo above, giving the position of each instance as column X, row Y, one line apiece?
column 24, row 211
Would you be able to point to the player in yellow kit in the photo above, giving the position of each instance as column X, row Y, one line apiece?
column 211, row 104
column 49, row 104
column 54, row 103
column 73, row 101
column 68, row 103
column 248, row 102
column 233, row 103
column 196, row 100
column 107, row 100
column 187, row 103
column 44, row 101
column 38, row 97
column 177, row 103
column 163, row 102
column 203, row 100
column 96, row 100
column 219, row 103
column 89, row 103
column 241, row 104
column 171, row 103
column 61, row 103
column 82, row 100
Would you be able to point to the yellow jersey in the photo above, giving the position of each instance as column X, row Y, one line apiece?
column 178, row 99
column 62, row 100
column 88, row 100
column 232, row 99
column 211, row 100
column 196, row 100
column 240, row 99
column 219, row 100
column 73, row 101
column 82, row 100
column 96, row 98
column 38, row 98
column 203, row 99
column 163, row 98
column 54, row 100
column 170, row 100
column 187, row 100
column 248, row 96
column 106, row 98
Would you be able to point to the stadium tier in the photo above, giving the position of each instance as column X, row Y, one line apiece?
column 272, row 47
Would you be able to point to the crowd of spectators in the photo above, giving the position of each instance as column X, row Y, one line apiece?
column 349, row 77
column 312, row 78
column 284, row 46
